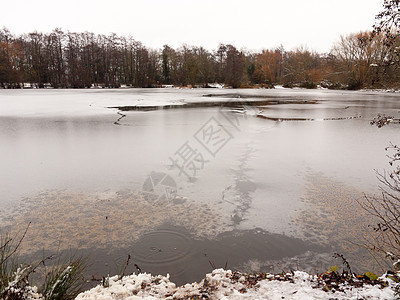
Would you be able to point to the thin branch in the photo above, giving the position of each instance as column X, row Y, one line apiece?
column 19, row 243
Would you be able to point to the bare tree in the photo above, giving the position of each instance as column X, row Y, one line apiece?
column 388, row 20
column 385, row 211
column 361, row 59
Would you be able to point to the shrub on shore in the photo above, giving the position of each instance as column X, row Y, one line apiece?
column 60, row 280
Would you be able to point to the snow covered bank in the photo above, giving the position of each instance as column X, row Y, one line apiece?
column 221, row 284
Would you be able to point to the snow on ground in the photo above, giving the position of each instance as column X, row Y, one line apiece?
column 221, row 284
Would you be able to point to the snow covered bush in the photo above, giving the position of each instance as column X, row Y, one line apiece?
column 62, row 280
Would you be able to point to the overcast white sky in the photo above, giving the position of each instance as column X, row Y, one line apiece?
column 251, row 24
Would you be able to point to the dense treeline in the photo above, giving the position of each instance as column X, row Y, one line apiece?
column 80, row 60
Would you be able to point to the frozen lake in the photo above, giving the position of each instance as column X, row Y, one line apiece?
column 199, row 183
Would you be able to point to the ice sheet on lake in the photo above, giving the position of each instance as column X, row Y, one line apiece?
column 62, row 146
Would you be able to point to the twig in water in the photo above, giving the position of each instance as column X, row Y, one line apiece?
column 124, row 268
column 212, row 264
column 138, row 268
